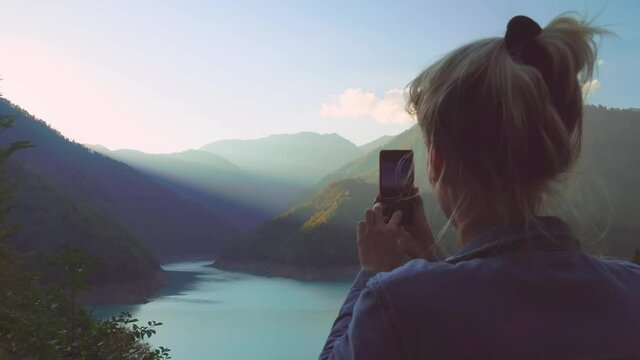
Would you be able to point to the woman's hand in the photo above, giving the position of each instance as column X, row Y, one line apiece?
column 417, row 240
column 378, row 240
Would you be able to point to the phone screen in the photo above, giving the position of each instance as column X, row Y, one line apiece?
column 396, row 173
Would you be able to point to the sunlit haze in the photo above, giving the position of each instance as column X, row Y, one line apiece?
column 168, row 76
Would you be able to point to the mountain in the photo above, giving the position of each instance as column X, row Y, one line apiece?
column 310, row 241
column 366, row 166
column 379, row 142
column 600, row 200
column 236, row 196
column 69, row 193
column 295, row 159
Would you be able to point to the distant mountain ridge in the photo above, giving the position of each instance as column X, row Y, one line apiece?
column 298, row 159
column 236, row 196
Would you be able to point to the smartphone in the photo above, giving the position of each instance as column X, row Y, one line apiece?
column 396, row 183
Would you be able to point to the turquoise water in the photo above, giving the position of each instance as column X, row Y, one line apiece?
column 214, row 314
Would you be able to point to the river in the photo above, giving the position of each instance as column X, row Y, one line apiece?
column 209, row 313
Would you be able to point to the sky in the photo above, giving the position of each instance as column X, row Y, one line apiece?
column 164, row 76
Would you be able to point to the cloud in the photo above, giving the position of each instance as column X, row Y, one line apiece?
column 357, row 103
column 589, row 88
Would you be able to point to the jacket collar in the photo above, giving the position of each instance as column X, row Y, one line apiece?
column 552, row 234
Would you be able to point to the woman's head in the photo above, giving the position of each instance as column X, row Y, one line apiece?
column 502, row 118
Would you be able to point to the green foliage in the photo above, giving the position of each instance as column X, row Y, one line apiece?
column 44, row 321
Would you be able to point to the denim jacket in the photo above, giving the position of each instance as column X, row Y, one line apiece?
column 508, row 294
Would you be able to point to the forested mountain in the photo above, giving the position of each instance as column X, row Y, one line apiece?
column 238, row 197
column 602, row 196
column 48, row 218
column 295, row 159
column 310, row 241
column 70, row 194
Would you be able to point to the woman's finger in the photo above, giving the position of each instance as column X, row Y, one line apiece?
column 396, row 218
column 378, row 210
column 370, row 218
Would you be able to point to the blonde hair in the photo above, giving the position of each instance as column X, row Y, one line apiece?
column 505, row 130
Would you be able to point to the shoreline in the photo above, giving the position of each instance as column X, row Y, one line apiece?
column 130, row 292
column 170, row 259
column 142, row 290
column 262, row 268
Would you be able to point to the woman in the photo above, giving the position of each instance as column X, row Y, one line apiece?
column 502, row 120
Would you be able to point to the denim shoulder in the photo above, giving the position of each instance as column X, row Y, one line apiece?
column 409, row 275
column 621, row 269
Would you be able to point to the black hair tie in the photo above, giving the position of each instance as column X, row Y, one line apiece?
column 521, row 31
column 524, row 49
column 521, row 43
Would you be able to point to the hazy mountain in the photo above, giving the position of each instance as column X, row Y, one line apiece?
column 366, row 166
column 242, row 199
column 105, row 191
column 375, row 143
column 608, row 173
column 296, row 159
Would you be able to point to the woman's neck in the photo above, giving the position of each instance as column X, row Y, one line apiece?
column 469, row 231
column 474, row 226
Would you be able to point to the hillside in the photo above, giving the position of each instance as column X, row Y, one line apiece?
column 68, row 193
column 604, row 184
column 294, row 159
column 48, row 218
column 236, row 196
column 314, row 240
